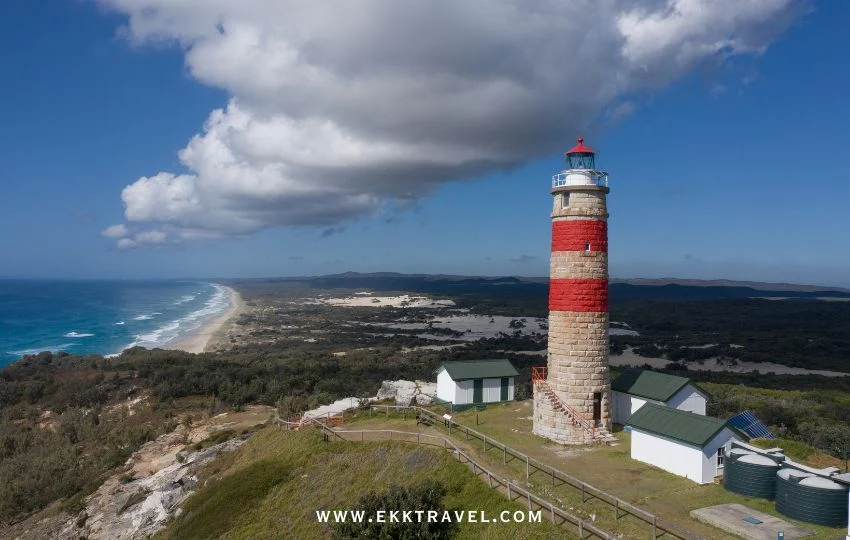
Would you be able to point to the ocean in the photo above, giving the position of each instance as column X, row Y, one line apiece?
column 101, row 317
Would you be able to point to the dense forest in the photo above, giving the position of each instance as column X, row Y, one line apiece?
column 801, row 333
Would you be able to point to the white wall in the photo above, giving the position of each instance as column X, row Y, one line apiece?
column 625, row 405
column 688, row 399
column 463, row 392
column 709, row 454
column 445, row 386
column 673, row 456
column 492, row 390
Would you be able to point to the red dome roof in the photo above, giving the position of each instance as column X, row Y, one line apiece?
column 580, row 148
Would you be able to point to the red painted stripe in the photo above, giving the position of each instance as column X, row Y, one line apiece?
column 574, row 235
column 587, row 295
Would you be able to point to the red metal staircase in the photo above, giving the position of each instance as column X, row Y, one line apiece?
column 539, row 380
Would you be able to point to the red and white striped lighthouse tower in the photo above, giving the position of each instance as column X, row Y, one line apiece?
column 572, row 393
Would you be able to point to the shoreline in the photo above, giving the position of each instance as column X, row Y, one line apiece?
column 199, row 340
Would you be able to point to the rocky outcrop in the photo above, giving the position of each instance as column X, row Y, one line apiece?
column 408, row 392
column 128, row 507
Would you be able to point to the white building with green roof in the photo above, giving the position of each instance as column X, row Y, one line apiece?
column 476, row 381
column 681, row 442
column 636, row 387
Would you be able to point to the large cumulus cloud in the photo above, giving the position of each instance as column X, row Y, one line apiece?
column 339, row 108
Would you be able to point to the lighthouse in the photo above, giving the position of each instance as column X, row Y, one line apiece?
column 572, row 393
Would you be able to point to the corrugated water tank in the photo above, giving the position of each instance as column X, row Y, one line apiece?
column 811, row 498
column 750, row 474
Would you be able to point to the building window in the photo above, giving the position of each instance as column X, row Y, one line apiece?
column 587, row 247
column 565, row 200
column 721, row 452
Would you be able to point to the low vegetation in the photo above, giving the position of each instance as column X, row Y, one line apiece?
column 274, row 485
column 803, row 419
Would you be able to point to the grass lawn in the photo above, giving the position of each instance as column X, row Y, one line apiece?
column 607, row 467
column 273, row 486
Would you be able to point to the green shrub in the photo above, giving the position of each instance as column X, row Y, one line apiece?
column 426, row 495
column 796, row 450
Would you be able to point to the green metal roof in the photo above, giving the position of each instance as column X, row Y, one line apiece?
column 649, row 384
column 687, row 427
column 479, row 369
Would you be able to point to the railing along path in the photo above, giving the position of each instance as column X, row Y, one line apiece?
column 620, row 506
column 494, row 481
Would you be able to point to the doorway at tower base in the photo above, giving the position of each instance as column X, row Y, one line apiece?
column 554, row 424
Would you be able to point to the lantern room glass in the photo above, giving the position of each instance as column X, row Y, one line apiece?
column 581, row 160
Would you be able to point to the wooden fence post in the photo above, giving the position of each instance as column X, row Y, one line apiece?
column 505, row 455
column 509, row 492
column 485, row 445
column 582, row 492
column 616, row 509
column 526, row 468
column 653, row 528
column 552, row 508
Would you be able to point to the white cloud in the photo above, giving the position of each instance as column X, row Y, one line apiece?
column 115, row 231
column 143, row 238
column 126, row 243
column 337, row 108
column 151, row 237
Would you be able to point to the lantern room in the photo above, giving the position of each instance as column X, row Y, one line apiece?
column 581, row 169
column 581, row 156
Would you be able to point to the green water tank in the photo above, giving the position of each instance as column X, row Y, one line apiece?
column 811, row 498
column 750, row 474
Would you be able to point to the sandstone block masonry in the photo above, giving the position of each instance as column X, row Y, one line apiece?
column 553, row 424
column 578, row 376
column 578, row 356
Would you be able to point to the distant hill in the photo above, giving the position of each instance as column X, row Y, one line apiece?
column 621, row 289
column 757, row 285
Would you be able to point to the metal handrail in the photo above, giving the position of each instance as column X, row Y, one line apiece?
column 599, row 178
column 539, row 375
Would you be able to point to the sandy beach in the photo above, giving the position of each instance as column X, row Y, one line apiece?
column 199, row 340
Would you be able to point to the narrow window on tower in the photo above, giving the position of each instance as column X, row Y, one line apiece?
column 565, row 200
column 587, row 247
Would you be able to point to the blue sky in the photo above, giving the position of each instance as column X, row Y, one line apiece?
column 732, row 170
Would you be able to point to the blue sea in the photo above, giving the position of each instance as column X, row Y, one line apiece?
column 101, row 317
